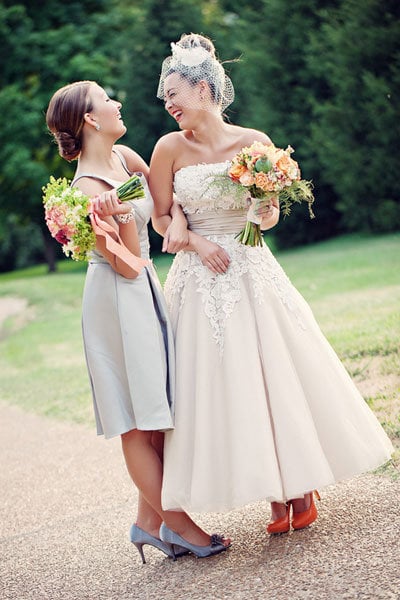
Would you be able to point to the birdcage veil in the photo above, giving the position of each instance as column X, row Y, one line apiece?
column 194, row 63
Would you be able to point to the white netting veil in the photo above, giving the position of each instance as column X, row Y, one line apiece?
column 193, row 63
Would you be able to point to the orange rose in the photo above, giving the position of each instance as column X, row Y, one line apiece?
column 236, row 171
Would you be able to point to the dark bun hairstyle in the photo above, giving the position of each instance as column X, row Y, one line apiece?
column 65, row 117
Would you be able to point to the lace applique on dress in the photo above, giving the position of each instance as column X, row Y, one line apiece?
column 221, row 293
column 203, row 187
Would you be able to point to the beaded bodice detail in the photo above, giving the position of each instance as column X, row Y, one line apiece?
column 205, row 190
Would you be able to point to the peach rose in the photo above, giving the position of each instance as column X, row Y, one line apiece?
column 263, row 181
column 284, row 163
column 236, row 171
column 247, row 179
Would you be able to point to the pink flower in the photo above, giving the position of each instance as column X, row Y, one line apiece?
column 61, row 237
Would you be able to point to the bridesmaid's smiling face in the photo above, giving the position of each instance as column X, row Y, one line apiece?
column 106, row 112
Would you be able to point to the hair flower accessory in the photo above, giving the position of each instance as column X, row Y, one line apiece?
column 189, row 57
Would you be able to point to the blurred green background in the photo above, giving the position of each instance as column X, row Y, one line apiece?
column 322, row 76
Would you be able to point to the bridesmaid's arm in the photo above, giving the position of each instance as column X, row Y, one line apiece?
column 106, row 204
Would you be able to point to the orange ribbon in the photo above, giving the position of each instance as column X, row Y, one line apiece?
column 116, row 246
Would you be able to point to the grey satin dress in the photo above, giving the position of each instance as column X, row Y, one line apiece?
column 128, row 340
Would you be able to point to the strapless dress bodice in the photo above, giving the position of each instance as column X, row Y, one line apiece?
column 213, row 204
column 207, row 187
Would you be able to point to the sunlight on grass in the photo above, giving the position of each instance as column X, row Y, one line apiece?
column 352, row 284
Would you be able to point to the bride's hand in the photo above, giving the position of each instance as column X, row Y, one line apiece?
column 212, row 256
column 268, row 212
column 264, row 208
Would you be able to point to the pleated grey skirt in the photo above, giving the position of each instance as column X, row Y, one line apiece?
column 129, row 351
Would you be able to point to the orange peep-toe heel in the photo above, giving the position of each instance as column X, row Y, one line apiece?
column 281, row 525
column 305, row 518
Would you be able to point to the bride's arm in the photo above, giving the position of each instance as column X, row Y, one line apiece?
column 161, row 187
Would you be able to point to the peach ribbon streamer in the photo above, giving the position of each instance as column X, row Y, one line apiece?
column 117, row 247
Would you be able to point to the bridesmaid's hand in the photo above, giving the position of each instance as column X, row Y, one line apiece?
column 176, row 237
column 108, row 203
column 212, row 256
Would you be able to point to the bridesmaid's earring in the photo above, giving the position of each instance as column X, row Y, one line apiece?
column 97, row 127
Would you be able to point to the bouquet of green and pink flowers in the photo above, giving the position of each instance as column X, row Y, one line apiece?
column 68, row 214
column 268, row 172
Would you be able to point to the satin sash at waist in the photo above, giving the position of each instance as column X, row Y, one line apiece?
column 222, row 222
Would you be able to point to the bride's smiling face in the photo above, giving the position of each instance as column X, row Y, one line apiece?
column 182, row 100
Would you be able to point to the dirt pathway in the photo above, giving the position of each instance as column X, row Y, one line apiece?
column 10, row 306
column 67, row 505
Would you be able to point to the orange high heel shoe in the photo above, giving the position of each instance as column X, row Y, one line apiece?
column 305, row 518
column 281, row 525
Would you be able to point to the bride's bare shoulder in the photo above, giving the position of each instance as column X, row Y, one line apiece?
column 247, row 136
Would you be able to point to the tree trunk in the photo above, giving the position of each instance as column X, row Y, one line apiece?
column 49, row 251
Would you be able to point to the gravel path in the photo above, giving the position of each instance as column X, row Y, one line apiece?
column 67, row 505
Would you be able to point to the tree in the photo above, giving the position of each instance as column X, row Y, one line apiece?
column 46, row 45
column 146, row 44
column 276, row 93
column 357, row 125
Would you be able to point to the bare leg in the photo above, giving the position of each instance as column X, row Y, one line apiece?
column 147, row 518
column 141, row 451
column 278, row 510
column 301, row 504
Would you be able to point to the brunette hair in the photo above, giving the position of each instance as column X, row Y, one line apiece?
column 65, row 117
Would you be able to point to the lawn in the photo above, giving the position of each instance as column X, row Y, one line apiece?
column 352, row 284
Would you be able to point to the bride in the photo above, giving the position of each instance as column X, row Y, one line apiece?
column 264, row 407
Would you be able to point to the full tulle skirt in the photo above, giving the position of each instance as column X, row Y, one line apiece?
column 265, row 409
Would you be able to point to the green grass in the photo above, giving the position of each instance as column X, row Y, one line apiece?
column 352, row 284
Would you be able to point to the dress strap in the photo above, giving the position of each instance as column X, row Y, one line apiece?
column 93, row 176
column 122, row 159
column 107, row 180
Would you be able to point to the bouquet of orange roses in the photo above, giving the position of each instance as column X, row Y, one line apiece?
column 268, row 172
column 68, row 214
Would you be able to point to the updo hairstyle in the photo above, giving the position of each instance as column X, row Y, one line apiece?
column 65, row 117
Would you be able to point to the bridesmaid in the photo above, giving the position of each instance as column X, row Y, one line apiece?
column 126, row 332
